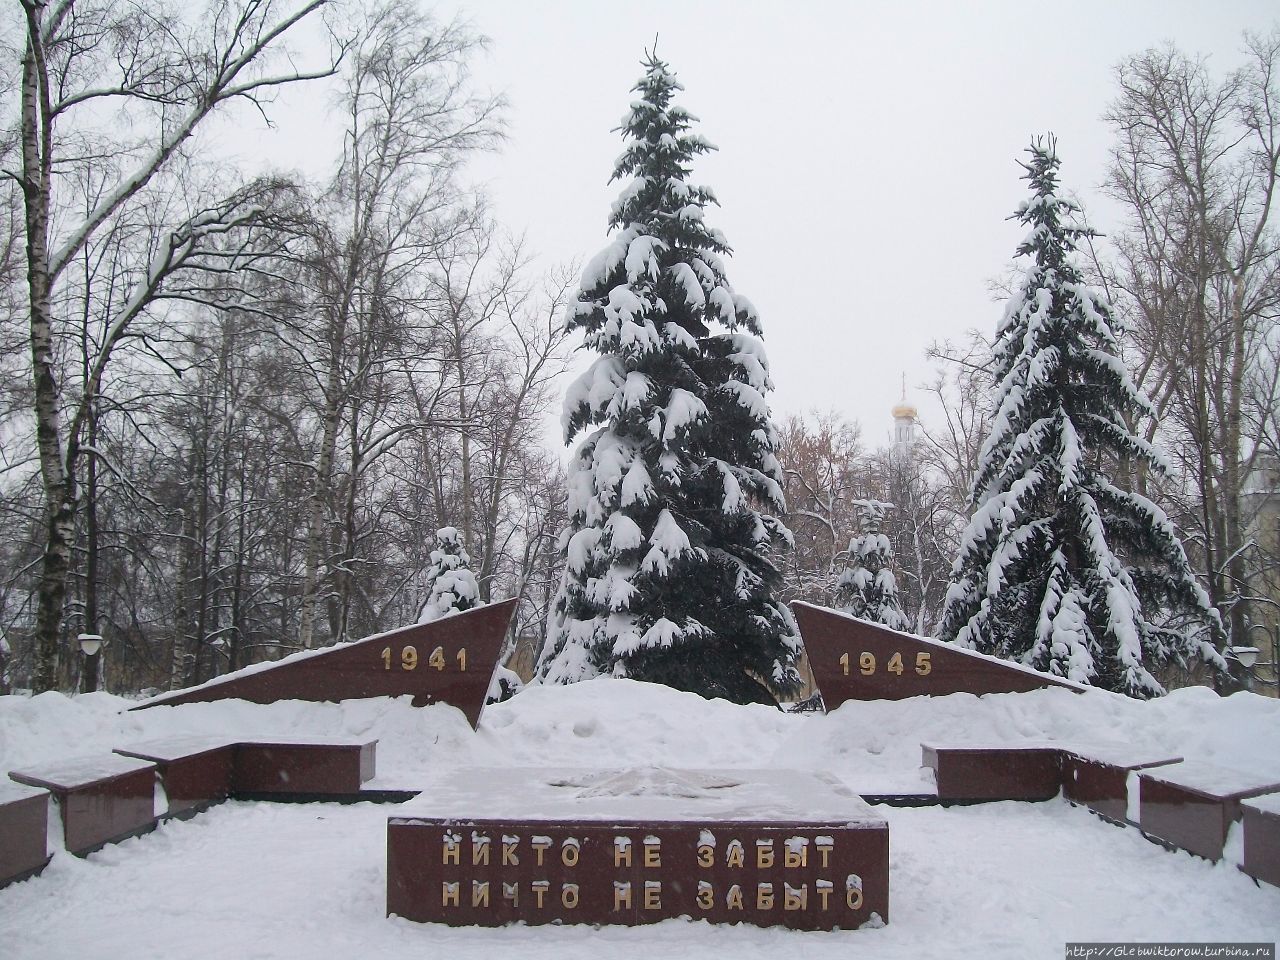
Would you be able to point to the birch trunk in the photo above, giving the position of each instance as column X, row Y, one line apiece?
column 58, row 485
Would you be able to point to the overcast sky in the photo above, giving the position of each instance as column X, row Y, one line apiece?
column 867, row 157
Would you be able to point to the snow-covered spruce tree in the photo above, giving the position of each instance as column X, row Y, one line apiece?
column 1060, row 568
column 669, row 577
column 451, row 585
column 867, row 588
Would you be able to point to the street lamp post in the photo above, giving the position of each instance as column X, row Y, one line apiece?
column 1245, row 657
column 1273, row 649
column 91, row 647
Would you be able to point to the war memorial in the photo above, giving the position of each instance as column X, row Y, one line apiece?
column 488, row 847
column 673, row 506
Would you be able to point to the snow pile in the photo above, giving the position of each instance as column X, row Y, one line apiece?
column 282, row 881
column 606, row 723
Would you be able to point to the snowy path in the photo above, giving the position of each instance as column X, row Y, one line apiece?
column 257, row 880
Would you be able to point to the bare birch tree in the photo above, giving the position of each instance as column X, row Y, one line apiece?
column 89, row 71
column 1197, row 276
column 410, row 120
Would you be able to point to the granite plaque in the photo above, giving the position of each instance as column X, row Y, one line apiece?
column 446, row 661
column 772, row 848
column 855, row 659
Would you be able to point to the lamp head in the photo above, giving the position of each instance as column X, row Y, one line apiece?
column 90, row 643
column 1247, row 656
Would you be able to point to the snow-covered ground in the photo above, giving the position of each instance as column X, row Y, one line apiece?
column 250, row 880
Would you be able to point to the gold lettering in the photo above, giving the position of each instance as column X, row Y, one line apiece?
column 479, row 851
column 652, row 852
column 706, row 895
column 795, row 899
column 652, row 895
column 540, row 846
column 853, row 893
column 511, row 891
column 764, row 896
column 737, row 855
column 621, row 895
column 764, row 854
column 479, row 893
column 622, row 851
column 825, row 845
column 569, row 896
column 451, row 894
column 452, row 852
column 733, row 901
column 569, row 853
column 509, row 856
column 540, row 888
column 797, row 854
column 824, row 891
column 706, row 855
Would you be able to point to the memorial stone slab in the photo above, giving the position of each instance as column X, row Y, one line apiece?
column 1261, row 820
column 854, row 659
column 766, row 847
column 303, row 767
column 196, row 772
column 1191, row 805
column 969, row 772
column 24, row 828
column 100, row 799
column 446, row 661
column 1104, row 777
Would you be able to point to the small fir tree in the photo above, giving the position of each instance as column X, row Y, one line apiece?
column 451, row 586
column 669, row 577
column 1060, row 568
column 867, row 588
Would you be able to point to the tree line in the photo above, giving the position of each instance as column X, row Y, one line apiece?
column 1192, row 273
column 235, row 410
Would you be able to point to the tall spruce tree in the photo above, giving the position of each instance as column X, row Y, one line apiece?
column 868, row 588
column 1060, row 568
column 669, row 577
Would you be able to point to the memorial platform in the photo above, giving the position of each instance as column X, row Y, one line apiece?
column 766, row 847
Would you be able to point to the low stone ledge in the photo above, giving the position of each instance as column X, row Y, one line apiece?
column 1191, row 805
column 303, row 767
column 963, row 772
column 1261, row 825
column 196, row 772
column 24, row 828
column 100, row 799
column 1104, row 778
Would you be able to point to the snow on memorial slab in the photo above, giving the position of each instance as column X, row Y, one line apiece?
column 766, row 847
column 449, row 660
column 855, row 659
